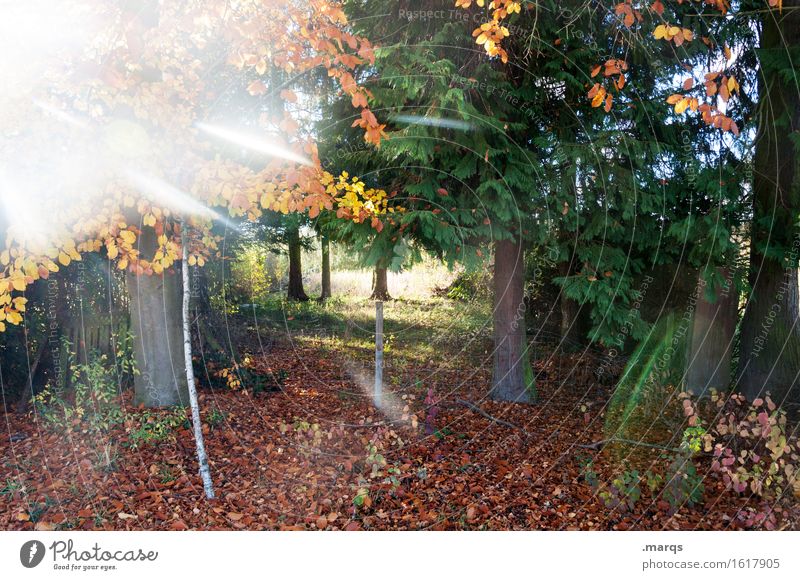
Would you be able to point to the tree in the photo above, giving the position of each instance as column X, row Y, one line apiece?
column 773, row 260
column 158, row 334
column 283, row 234
column 770, row 345
column 138, row 126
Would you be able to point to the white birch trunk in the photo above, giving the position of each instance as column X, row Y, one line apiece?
column 202, row 458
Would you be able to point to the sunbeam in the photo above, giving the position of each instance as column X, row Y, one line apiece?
column 160, row 191
column 254, row 143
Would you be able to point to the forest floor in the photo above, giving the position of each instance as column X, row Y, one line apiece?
column 317, row 454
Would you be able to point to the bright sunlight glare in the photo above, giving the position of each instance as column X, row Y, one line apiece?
column 161, row 192
column 254, row 143
column 435, row 122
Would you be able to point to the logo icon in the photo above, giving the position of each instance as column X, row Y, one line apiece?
column 31, row 553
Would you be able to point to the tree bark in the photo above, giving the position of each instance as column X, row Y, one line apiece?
column 326, row 269
column 295, row 290
column 202, row 458
column 380, row 288
column 155, row 303
column 711, row 342
column 770, row 345
column 512, row 375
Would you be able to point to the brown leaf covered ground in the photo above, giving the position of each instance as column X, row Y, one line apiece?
column 300, row 459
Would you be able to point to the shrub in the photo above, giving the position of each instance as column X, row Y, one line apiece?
column 149, row 427
column 752, row 451
column 92, row 402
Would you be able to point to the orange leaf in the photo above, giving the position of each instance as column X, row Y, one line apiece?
column 288, row 96
column 256, row 88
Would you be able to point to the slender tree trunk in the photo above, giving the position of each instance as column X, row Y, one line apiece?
column 770, row 346
column 202, row 458
column 380, row 288
column 326, row 268
column 512, row 376
column 711, row 342
column 296, row 291
column 155, row 303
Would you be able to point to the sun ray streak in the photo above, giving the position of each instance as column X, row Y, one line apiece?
column 254, row 143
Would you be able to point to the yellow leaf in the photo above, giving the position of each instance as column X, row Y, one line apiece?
column 18, row 282
column 64, row 259
column 681, row 106
column 128, row 236
column 660, row 32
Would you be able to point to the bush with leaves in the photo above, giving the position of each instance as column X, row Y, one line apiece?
column 151, row 427
column 92, row 402
column 752, row 450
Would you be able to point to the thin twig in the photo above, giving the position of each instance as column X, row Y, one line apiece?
column 483, row 413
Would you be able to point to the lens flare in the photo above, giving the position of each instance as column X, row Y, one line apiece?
column 254, row 143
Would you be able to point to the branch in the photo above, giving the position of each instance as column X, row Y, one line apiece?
column 492, row 418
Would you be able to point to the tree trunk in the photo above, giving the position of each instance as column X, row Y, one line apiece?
column 770, row 346
column 296, row 291
column 202, row 458
column 155, row 303
column 512, row 376
column 711, row 342
column 380, row 288
column 326, row 268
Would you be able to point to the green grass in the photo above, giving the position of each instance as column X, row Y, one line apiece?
column 417, row 331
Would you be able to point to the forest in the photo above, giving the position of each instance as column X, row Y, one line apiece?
column 394, row 265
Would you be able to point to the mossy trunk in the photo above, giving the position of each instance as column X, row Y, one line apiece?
column 512, row 375
column 155, row 309
column 770, row 345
